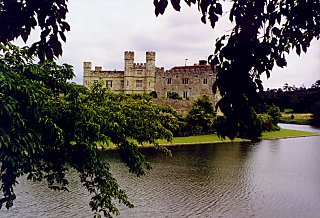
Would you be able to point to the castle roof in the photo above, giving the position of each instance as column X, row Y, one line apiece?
column 195, row 68
column 203, row 67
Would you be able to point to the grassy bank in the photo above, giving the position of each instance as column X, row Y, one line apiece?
column 198, row 140
column 283, row 133
column 206, row 139
column 296, row 118
column 286, row 133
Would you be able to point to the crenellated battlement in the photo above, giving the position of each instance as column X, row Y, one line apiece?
column 87, row 65
column 129, row 55
column 150, row 55
column 139, row 64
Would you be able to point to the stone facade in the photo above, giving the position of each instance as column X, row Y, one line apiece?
column 190, row 82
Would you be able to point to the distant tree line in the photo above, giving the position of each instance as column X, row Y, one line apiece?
column 297, row 99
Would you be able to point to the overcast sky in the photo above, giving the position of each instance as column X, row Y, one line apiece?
column 101, row 30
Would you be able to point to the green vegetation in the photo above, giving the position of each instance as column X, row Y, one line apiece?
column 174, row 95
column 296, row 118
column 201, row 118
column 300, row 105
column 214, row 138
column 286, row 133
column 263, row 34
column 49, row 126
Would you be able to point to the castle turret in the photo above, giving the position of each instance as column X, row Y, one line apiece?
column 87, row 73
column 87, row 68
column 128, row 71
column 128, row 62
column 150, row 71
column 150, row 59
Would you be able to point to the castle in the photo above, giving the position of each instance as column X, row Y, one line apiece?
column 190, row 82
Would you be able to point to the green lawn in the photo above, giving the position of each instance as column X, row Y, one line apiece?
column 286, row 133
column 199, row 139
column 203, row 139
column 298, row 118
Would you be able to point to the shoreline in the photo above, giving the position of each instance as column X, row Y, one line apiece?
column 214, row 139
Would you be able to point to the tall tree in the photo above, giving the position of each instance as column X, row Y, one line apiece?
column 263, row 33
column 48, row 126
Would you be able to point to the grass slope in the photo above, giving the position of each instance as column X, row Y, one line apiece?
column 286, row 133
column 298, row 118
column 206, row 139
column 198, row 140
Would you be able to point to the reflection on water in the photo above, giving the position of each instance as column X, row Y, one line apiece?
column 277, row 178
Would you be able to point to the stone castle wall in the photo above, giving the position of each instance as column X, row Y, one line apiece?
column 190, row 82
column 182, row 107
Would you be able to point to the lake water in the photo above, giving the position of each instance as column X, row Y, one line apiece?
column 272, row 178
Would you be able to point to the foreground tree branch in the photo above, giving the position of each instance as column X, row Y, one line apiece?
column 264, row 32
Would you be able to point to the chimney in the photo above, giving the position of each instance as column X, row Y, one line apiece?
column 202, row 62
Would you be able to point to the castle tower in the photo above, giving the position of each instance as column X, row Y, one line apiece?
column 87, row 73
column 150, row 71
column 128, row 71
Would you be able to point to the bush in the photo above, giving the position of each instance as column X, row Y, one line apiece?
column 288, row 111
column 201, row 118
column 153, row 94
column 275, row 114
column 266, row 123
column 174, row 95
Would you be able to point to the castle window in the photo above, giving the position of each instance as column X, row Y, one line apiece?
column 121, row 83
column 109, row 83
column 127, row 83
column 185, row 81
column 139, row 72
column 169, row 81
column 185, row 94
column 205, row 81
column 87, row 82
column 138, row 83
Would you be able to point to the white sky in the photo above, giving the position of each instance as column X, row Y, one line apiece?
column 102, row 30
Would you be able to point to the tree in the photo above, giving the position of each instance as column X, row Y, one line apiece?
column 18, row 18
column 46, row 122
column 316, row 85
column 274, row 112
column 300, row 100
column 263, row 32
column 315, row 117
column 201, row 117
column 48, row 126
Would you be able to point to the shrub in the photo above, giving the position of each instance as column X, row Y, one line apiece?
column 275, row 114
column 174, row 95
column 201, row 117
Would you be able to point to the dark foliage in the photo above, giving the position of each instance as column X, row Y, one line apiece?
column 264, row 31
column 174, row 95
column 300, row 100
column 201, row 118
column 48, row 126
column 19, row 18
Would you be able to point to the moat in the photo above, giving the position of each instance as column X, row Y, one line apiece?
column 272, row 178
